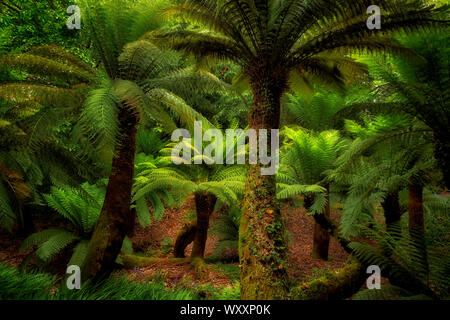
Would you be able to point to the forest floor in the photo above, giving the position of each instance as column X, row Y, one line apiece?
column 157, row 239
column 299, row 226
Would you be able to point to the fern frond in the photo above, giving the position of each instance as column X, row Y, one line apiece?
column 55, row 244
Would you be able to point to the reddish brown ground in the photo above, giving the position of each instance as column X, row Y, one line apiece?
column 300, row 226
column 298, row 223
column 148, row 240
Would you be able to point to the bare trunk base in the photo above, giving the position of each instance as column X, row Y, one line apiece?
column 204, row 203
column 321, row 236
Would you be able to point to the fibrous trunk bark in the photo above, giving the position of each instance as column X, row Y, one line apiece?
column 204, row 203
column 262, row 242
column 321, row 236
column 116, row 219
column 184, row 238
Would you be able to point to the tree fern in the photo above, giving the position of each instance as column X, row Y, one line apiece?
column 81, row 207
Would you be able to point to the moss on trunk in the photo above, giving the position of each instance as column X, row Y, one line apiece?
column 336, row 285
column 116, row 220
column 262, row 243
column 132, row 261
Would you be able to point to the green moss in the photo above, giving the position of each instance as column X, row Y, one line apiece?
column 333, row 285
column 131, row 261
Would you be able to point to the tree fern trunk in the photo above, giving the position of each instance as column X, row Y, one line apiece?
column 26, row 224
column 262, row 243
column 204, row 203
column 442, row 155
column 391, row 209
column 184, row 238
column 321, row 236
column 415, row 209
column 116, row 220
column 417, row 230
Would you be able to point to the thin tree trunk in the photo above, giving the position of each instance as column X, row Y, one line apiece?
column 392, row 214
column 204, row 203
column 26, row 224
column 442, row 155
column 415, row 209
column 116, row 219
column 417, row 228
column 184, row 238
column 262, row 242
column 321, row 236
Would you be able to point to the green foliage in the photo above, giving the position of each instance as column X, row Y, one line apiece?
column 81, row 207
column 325, row 110
column 166, row 245
column 227, row 230
column 304, row 161
column 61, row 107
column 293, row 36
column 420, row 88
column 208, row 292
column 412, row 271
column 389, row 152
column 32, row 23
column 19, row 285
column 226, row 182
column 149, row 141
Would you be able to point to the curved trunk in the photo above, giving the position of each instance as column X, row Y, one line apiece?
column 116, row 219
column 204, row 203
column 321, row 236
column 262, row 242
column 184, row 238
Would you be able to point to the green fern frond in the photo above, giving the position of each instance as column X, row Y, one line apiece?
column 79, row 254
column 55, row 244
column 387, row 292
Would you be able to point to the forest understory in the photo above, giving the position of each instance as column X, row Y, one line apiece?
column 224, row 150
column 150, row 240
